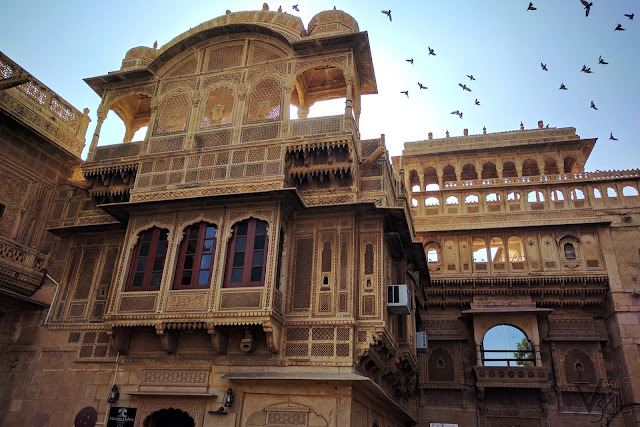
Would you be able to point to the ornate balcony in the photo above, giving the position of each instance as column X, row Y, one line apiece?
column 512, row 376
column 21, row 268
column 41, row 109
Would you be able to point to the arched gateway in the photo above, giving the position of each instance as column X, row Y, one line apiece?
column 169, row 418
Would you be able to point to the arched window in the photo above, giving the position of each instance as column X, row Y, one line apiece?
column 597, row 194
column 516, row 250
column 449, row 173
column 611, row 192
column 557, row 195
column 496, row 249
column 432, row 253
column 513, row 196
column 479, row 250
column 505, row 345
column 147, row 262
column 577, row 194
column 535, row 196
column 195, row 257
column 509, row 170
column 629, row 191
column 471, row 199
column 569, row 251
column 218, row 109
column 264, row 101
column 489, row 171
column 451, row 200
column 432, row 187
column 414, row 203
column 247, row 254
column 468, row 172
column 530, row 168
column 492, row 197
column 432, row 201
column 173, row 114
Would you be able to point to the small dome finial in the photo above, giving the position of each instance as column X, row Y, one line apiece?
column 447, row 134
column 484, row 130
column 466, row 132
column 521, row 126
column 430, row 135
column 280, row 9
column 265, row 7
column 228, row 12
column 540, row 124
column 155, row 45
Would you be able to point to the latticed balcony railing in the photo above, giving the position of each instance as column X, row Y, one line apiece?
column 317, row 126
column 21, row 268
column 43, row 110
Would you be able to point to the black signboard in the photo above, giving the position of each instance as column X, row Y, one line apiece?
column 121, row 417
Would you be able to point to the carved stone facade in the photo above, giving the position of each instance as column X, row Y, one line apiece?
column 517, row 233
column 233, row 268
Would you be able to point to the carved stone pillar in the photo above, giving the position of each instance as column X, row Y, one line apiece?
column 519, row 169
column 193, row 119
column 286, row 109
column 478, row 354
column 536, row 349
column 421, row 179
column 102, row 114
column 348, row 110
column 237, row 126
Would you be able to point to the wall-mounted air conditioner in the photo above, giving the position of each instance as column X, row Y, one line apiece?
column 422, row 342
column 398, row 299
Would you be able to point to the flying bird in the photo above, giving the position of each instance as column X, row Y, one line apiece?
column 586, row 69
column 388, row 13
column 421, row 86
column 593, row 106
column 531, row 7
column 544, row 67
column 602, row 61
column 464, row 87
column 629, row 16
column 295, row 7
column 406, row 92
column 619, row 28
column 431, row 51
column 460, row 115
column 410, row 61
column 477, row 102
column 612, row 138
column 562, row 86
column 470, row 76
column 587, row 6
column 456, row 112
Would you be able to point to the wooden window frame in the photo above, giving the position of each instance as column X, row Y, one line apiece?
column 248, row 255
column 148, row 271
column 197, row 257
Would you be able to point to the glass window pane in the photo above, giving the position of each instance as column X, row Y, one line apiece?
column 163, row 235
column 241, row 243
column 210, row 233
column 186, row 278
column 191, row 246
column 137, row 280
column 236, row 275
column 203, row 278
column 193, row 232
column 162, row 248
column 238, row 259
column 155, row 279
column 206, row 261
column 208, row 246
column 146, row 236
column 256, row 274
column 258, row 243
column 142, row 264
column 144, row 249
column 242, row 229
column 257, row 258
column 188, row 263
column 261, row 227
column 157, row 263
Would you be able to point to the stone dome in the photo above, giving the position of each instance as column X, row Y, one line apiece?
column 332, row 21
column 138, row 57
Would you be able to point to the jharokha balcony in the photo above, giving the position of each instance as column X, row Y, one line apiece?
column 32, row 103
column 22, row 269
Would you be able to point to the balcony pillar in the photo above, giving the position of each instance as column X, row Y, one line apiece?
column 348, row 110
column 536, row 349
column 478, row 354
column 102, row 114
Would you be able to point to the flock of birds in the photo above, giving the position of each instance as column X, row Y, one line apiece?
column 587, row 70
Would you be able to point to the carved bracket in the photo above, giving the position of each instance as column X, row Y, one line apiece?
column 273, row 331
column 218, row 339
column 121, row 339
column 168, row 338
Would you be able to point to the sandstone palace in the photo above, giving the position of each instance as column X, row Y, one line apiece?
column 241, row 267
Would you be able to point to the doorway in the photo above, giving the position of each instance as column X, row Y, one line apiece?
column 169, row 418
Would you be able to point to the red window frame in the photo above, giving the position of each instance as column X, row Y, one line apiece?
column 245, row 254
column 197, row 249
column 147, row 263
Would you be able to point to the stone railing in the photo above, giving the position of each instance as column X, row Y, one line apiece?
column 513, row 376
column 118, row 151
column 21, row 256
column 43, row 110
column 584, row 176
column 21, row 268
column 317, row 126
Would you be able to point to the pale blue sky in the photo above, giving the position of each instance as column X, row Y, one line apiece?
column 497, row 41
